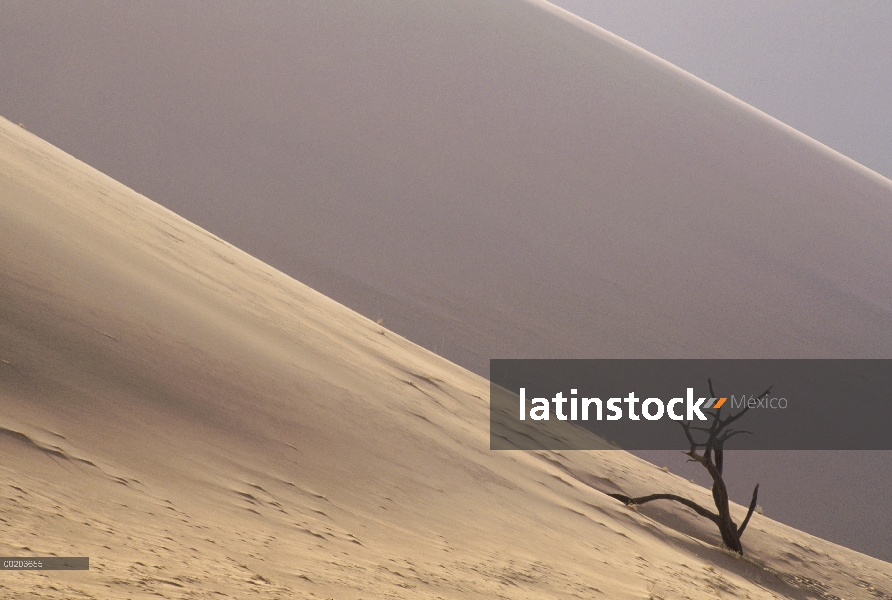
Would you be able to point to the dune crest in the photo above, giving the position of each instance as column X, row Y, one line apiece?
column 196, row 422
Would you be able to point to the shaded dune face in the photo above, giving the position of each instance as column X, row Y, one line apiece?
column 198, row 422
column 604, row 202
column 195, row 420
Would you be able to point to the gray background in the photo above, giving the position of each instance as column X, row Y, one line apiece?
column 806, row 408
column 495, row 181
column 825, row 68
column 821, row 66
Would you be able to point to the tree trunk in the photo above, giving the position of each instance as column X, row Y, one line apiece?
column 726, row 524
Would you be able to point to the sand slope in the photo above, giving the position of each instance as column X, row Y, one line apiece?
column 202, row 425
column 492, row 177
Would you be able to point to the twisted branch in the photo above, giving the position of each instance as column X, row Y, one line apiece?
column 749, row 513
column 689, row 503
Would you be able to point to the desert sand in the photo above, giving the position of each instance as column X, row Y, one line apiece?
column 201, row 425
column 493, row 178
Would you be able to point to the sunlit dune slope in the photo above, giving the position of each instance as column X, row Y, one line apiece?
column 493, row 178
column 202, row 425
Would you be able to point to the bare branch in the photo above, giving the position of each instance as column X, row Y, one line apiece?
column 687, row 432
column 708, row 464
column 732, row 433
column 749, row 513
column 689, row 503
column 707, row 429
column 712, row 459
column 733, row 418
column 765, row 393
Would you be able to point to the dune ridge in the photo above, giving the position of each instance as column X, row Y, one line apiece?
column 200, row 424
column 493, row 178
column 652, row 58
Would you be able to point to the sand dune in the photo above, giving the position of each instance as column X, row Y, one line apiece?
column 202, row 425
column 494, row 178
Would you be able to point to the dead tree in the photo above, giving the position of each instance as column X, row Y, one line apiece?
column 712, row 458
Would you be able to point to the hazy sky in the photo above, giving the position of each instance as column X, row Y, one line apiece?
column 821, row 66
column 379, row 152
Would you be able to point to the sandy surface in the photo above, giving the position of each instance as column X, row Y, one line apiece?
column 493, row 178
column 202, row 425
